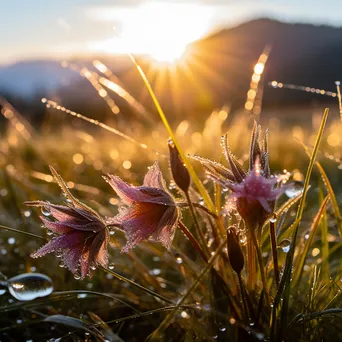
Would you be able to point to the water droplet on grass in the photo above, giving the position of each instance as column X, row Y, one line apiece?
column 29, row 286
column 243, row 239
column 82, row 295
column 2, row 291
column 273, row 219
column 294, row 188
column 77, row 276
column 27, row 213
column 46, row 211
column 11, row 240
column 285, row 245
column 111, row 266
column 155, row 271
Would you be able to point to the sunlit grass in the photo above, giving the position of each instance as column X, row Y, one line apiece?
column 308, row 302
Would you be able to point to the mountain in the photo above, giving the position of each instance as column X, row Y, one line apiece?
column 217, row 72
column 27, row 77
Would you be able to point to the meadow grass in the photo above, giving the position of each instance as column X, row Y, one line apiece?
column 151, row 293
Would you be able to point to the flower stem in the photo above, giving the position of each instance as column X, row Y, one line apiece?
column 206, row 210
column 274, row 252
column 250, row 263
column 131, row 282
column 192, row 239
column 261, row 266
column 197, row 227
column 243, row 296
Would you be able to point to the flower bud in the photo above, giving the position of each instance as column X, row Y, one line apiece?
column 234, row 250
column 180, row 173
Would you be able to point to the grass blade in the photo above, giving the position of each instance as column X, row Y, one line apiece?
column 283, row 292
column 300, row 263
column 196, row 180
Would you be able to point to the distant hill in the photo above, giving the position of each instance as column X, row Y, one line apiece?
column 27, row 77
column 219, row 70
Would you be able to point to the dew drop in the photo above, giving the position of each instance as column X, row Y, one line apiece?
column 46, row 211
column 61, row 264
column 2, row 291
column 155, row 271
column 111, row 266
column 179, row 260
column 28, row 286
column 3, row 192
column 294, row 189
column 273, row 219
column 77, row 276
column 285, row 245
column 223, row 329
column 11, row 240
column 82, row 295
column 27, row 213
column 243, row 239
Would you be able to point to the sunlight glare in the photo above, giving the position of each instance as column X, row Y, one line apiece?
column 160, row 29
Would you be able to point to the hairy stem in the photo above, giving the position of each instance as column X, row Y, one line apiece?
column 274, row 253
column 197, row 227
column 250, row 263
column 243, row 296
column 192, row 239
column 261, row 266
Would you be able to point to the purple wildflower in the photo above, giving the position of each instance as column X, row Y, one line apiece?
column 254, row 190
column 82, row 237
column 255, row 196
column 151, row 213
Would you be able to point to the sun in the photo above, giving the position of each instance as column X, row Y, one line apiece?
column 160, row 29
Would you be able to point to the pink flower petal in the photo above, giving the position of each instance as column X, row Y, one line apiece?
column 72, row 257
column 140, row 222
column 154, row 177
column 65, row 241
column 98, row 249
column 131, row 194
column 56, row 227
column 85, row 262
column 166, row 228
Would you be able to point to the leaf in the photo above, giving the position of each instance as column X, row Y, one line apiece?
column 74, row 323
column 300, row 263
column 107, row 331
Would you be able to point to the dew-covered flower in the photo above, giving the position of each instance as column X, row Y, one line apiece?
column 255, row 196
column 254, row 191
column 151, row 211
column 81, row 237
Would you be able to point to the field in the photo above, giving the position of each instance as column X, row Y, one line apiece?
column 196, row 290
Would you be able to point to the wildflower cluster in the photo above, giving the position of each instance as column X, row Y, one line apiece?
column 151, row 212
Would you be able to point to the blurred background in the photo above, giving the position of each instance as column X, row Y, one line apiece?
column 199, row 56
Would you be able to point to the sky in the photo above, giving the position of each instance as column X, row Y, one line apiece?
column 36, row 29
